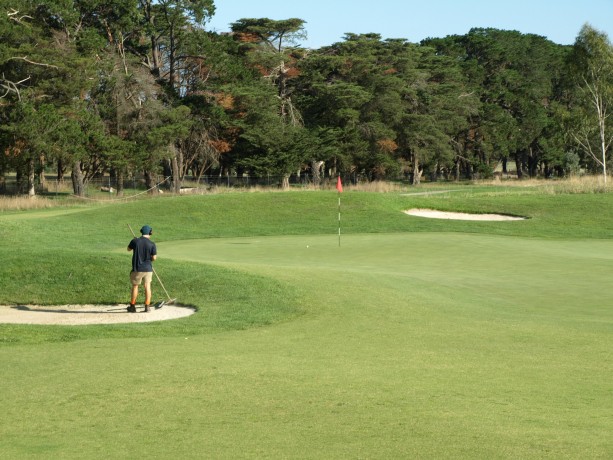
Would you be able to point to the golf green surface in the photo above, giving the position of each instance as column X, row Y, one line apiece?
column 408, row 278
column 411, row 338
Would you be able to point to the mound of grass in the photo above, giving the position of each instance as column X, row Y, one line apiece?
column 225, row 299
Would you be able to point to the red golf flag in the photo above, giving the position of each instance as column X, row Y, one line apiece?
column 339, row 185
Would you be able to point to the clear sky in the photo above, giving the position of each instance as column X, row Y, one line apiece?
column 327, row 21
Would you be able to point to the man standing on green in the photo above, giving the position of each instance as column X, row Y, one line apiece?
column 144, row 253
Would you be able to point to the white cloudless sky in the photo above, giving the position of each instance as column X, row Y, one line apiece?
column 327, row 21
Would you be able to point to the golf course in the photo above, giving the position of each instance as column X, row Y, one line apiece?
column 405, row 337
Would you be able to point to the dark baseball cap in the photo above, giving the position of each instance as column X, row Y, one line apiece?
column 146, row 230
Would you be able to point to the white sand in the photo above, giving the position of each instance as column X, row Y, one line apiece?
column 88, row 314
column 459, row 215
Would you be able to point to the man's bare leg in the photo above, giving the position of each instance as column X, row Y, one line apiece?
column 133, row 297
column 147, row 296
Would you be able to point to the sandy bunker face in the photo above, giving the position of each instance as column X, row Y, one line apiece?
column 431, row 213
column 88, row 314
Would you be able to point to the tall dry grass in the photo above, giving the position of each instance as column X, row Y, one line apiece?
column 584, row 184
column 572, row 185
column 376, row 186
column 24, row 203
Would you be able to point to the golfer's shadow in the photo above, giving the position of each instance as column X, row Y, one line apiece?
column 56, row 310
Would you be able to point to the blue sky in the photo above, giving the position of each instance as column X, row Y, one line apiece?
column 327, row 21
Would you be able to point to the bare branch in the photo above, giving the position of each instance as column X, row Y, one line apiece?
column 586, row 146
column 11, row 87
column 608, row 143
column 25, row 58
column 13, row 16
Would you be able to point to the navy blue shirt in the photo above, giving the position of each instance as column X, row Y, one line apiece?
column 143, row 249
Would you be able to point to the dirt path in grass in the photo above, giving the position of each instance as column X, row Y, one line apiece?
column 87, row 314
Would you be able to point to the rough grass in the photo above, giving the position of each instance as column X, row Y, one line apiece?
column 575, row 184
column 20, row 203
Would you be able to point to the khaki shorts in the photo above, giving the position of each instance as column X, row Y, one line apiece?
column 138, row 277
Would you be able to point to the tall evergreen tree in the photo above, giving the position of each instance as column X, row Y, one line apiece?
column 263, row 44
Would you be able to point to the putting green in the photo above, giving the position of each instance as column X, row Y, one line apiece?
column 403, row 249
column 503, row 274
column 493, row 335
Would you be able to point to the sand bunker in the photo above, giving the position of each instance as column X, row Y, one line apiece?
column 431, row 213
column 88, row 314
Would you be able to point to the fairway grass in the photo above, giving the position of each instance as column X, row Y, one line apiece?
column 420, row 340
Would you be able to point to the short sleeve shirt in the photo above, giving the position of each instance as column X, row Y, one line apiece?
column 142, row 251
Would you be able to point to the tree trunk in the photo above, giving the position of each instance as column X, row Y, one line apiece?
column 532, row 163
column 167, row 170
column 119, row 177
column 468, row 170
column 61, row 170
column 177, row 167
column 316, row 167
column 150, row 183
column 176, row 175
column 78, row 185
column 457, row 170
column 546, row 171
column 149, row 16
column 436, row 174
column 602, row 117
column 282, row 90
column 172, row 76
column 416, row 171
column 285, row 182
column 19, row 181
column 41, row 177
column 31, row 178
column 519, row 166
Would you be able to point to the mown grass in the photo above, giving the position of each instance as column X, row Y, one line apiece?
column 71, row 276
column 77, row 255
column 417, row 338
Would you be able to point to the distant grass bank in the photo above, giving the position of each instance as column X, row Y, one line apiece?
column 580, row 185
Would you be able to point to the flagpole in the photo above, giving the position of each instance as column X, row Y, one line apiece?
column 339, row 219
column 339, row 187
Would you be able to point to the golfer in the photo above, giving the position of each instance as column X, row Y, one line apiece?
column 144, row 253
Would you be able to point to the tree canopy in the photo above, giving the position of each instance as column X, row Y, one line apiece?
column 141, row 88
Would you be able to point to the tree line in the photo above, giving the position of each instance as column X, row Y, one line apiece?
column 141, row 88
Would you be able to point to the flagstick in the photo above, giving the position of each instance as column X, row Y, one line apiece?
column 339, row 219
